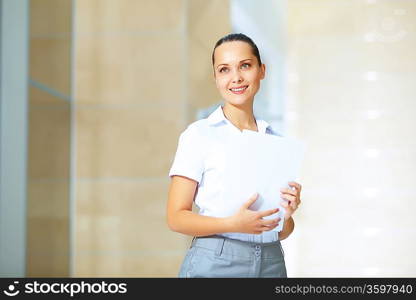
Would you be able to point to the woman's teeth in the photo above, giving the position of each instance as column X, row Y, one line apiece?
column 239, row 89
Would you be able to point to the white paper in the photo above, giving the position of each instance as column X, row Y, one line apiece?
column 262, row 163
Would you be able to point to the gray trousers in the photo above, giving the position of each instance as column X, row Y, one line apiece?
column 217, row 256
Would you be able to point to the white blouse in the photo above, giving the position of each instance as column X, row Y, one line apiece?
column 200, row 156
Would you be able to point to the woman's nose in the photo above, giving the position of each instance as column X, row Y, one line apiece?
column 237, row 78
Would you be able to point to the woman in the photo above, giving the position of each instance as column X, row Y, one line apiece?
column 241, row 245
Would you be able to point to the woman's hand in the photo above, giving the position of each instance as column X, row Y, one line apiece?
column 250, row 221
column 293, row 198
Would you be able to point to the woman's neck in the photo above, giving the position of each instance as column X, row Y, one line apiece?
column 241, row 117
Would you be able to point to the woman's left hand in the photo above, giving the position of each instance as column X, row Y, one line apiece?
column 292, row 197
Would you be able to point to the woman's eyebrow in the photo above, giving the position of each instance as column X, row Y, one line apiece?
column 240, row 62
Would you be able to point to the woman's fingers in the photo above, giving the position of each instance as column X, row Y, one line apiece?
column 289, row 197
column 250, row 201
column 268, row 228
column 288, row 207
column 295, row 185
column 292, row 196
column 268, row 212
column 292, row 201
column 268, row 225
column 294, row 204
column 288, row 191
column 254, row 219
column 270, row 222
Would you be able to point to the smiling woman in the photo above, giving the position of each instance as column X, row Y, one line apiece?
column 238, row 71
column 243, row 244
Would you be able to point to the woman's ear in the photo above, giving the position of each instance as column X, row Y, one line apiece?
column 214, row 77
column 263, row 71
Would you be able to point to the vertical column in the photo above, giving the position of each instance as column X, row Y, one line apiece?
column 13, row 136
column 130, row 98
column 49, row 138
column 265, row 23
column 208, row 21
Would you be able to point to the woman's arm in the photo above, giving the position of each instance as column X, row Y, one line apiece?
column 181, row 218
column 287, row 229
column 292, row 197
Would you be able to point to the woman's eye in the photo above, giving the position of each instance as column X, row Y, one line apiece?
column 222, row 70
column 244, row 66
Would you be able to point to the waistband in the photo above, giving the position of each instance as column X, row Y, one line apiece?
column 265, row 237
column 243, row 249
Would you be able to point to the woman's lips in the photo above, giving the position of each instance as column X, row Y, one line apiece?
column 239, row 90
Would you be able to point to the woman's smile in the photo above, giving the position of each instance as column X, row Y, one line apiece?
column 239, row 90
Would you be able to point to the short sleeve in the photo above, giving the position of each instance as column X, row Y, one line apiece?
column 188, row 159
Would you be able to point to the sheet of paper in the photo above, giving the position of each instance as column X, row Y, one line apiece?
column 262, row 163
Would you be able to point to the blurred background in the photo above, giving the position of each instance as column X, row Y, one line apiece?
column 95, row 93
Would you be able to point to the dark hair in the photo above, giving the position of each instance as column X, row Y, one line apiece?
column 234, row 37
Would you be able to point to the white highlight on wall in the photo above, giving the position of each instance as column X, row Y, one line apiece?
column 291, row 116
column 371, row 231
column 371, row 192
column 371, row 271
column 372, row 153
column 373, row 114
column 370, row 76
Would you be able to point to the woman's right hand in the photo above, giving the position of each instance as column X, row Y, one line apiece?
column 250, row 221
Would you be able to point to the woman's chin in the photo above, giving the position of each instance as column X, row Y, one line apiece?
column 237, row 101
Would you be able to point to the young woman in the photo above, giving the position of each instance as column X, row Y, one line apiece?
column 241, row 245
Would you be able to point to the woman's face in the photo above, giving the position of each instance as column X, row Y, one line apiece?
column 237, row 72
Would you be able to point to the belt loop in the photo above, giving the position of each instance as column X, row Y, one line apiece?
column 220, row 245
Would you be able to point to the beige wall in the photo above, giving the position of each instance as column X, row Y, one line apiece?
column 142, row 70
column 351, row 67
column 49, row 139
